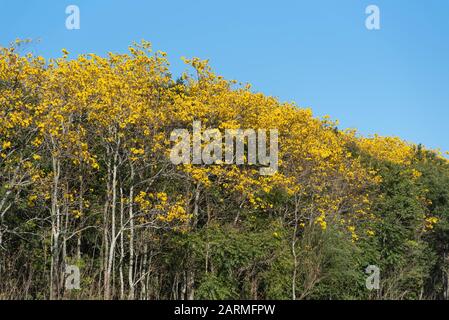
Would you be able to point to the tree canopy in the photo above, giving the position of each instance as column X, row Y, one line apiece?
column 86, row 180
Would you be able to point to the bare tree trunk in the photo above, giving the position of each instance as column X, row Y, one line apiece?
column 175, row 287
column 254, row 286
column 143, row 272
column 81, row 211
column 122, row 245
column 105, row 243
column 190, row 284
column 295, row 257
column 113, row 241
column 3, row 210
column 64, row 241
column 55, row 228
column 184, row 286
column 190, row 273
column 131, row 238
column 196, row 205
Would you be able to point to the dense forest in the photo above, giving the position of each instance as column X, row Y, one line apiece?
column 86, row 180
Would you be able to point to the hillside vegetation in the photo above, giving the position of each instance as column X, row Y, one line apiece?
column 86, row 180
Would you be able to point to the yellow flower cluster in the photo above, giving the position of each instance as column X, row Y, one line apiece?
column 99, row 115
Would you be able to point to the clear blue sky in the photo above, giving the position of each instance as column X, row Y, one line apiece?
column 318, row 53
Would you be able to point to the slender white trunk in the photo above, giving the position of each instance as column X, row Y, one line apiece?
column 295, row 257
column 113, row 237
column 55, row 228
column 122, row 245
column 131, row 238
